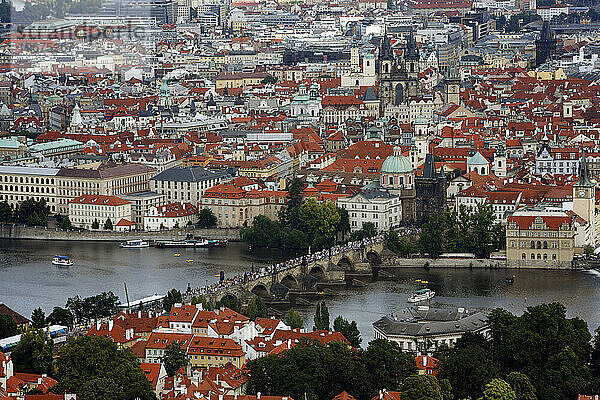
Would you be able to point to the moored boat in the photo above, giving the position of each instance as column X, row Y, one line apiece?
column 421, row 295
column 62, row 261
column 135, row 244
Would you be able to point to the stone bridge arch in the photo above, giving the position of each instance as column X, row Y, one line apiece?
column 373, row 257
column 290, row 281
column 229, row 298
column 345, row 263
column 261, row 290
column 318, row 272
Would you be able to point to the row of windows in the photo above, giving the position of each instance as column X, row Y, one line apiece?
column 38, row 181
column 38, row 189
column 538, row 256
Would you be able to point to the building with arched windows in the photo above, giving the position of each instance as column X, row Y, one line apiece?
column 542, row 238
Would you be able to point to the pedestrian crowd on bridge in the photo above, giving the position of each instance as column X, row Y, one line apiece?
column 283, row 266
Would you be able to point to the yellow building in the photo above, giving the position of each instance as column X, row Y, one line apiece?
column 214, row 352
column 239, row 79
column 540, row 239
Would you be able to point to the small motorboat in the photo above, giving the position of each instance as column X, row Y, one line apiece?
column 176, row 255
column 421, row 295
column 135, row 244
column 190, row 260
column 62, row 261
column 510, row 280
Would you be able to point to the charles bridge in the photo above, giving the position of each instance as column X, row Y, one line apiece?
column 303, row 279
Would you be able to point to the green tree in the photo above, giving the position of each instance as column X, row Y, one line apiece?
column 5, row 212
column 431, row 238
column 32, row 213
column 348, row 329
column 522, row 386
column 108, row 225
column 8, row 327
column 446, row 389
column 293, row 319
column 206, row 218
column 321, row 317
column 588, row 250
column 101, row 389
column 60, row 316
column 95, row 224
column 88, row 358
column 311, row 370
column 201, row 300
column 387, row 364
column 343, row 227
column 175, row 357
column 66, row 224
column 290, row 213
column 33, row 354
column 256, row 308
column 498, row 389
column 173, row 297
column 269, row 80
column 38, row 318
column 319, row 221
column 473, row 362
column 368, row 230
column 421, row 387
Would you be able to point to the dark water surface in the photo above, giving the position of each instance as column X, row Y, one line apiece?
column 29, row 280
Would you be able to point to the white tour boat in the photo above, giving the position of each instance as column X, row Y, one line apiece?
column 62, row 261
column 421, row 295
column 135, row 244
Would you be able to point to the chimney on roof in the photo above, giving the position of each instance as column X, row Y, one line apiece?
column 110, row 325
column 380, row 395
column 424, row 361
column 139, row 314
column 258, row 395
column 98, row 324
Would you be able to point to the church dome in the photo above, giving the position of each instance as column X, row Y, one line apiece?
column 397, row 163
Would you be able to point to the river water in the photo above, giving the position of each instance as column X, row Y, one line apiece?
column 29, row 280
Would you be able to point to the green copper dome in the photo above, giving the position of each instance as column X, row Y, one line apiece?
column 397, row 163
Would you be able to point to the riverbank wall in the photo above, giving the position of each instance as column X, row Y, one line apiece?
column 398, row 262
column 15, row 231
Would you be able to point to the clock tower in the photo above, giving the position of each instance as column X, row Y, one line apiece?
column 584, row 199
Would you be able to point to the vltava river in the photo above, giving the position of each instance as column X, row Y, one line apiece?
column 29, row 280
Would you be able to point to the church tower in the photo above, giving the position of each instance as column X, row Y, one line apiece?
column 545, row 46
column 452, row 84
column 584, row 199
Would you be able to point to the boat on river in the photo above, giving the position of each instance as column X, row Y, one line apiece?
column 62, row 261
column 421, row 295
column 135, row 244
column 190, row 243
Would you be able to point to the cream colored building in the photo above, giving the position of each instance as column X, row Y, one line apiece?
column 101, row 178
column 541, row 239
column 186, row 184
column 86, row 209
column 170, row 216
column 239, row 79
column 18, row 184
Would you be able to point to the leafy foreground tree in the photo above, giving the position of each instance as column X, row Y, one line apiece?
column 348, row 329
column 175, row 357
column 321, row 317
column 108, row 225
column 293, row 319
column 173, row 297
column 83, row 360
column 102, row 389
column 60, row 316
column 8, row 327
column 38, row 318
column 93, row 307
column 256, row 308
column 521, row 385
column 421, row 387
column 498, row 389
column 206, row 218
column 388, row 364
column 33, row 354
column 322, row 371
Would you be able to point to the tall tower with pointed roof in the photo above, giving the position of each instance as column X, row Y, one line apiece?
column 584, row 199
column 545, row 46
column 452, row 83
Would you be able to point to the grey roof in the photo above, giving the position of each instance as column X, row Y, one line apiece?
column 189, row 174
column 376, row 193
column 41, row 171
column 424, row 321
